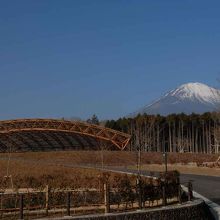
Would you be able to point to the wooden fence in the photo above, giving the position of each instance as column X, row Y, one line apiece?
column 66, row 202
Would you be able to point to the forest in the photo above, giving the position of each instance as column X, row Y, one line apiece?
column 173, row 133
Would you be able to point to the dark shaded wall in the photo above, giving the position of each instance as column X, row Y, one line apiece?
column 194, row 211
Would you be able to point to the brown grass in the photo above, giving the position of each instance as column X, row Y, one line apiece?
column 35, row 174
column 37, row 169
column 111, row 157
column 186, row 169
column 25, row 174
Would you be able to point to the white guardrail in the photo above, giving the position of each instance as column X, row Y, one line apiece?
column 213, row 207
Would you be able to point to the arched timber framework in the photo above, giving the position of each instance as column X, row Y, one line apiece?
column 30, row 133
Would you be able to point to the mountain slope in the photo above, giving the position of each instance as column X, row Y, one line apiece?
column 187, row 98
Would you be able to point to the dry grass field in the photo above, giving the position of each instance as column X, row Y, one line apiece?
column 186, row 169
column 63, row 170
column 32, row 172
column 40, row 168
column 36, row 175
column 115, row 158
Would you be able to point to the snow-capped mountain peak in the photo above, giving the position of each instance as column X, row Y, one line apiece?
column 187, row 98
column 198, row 91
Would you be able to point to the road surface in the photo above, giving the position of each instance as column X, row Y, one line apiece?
column 208, row 186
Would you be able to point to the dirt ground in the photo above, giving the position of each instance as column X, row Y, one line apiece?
column 151, row 161
column 111, row 157
column 186, row 169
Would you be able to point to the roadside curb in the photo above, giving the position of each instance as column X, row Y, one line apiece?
column 213, row 207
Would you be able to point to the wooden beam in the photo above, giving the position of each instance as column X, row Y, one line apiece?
column 119, row 139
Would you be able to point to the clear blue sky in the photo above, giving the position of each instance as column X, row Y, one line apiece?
column 77, row 57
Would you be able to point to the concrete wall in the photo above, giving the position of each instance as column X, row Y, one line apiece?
column 196, row 210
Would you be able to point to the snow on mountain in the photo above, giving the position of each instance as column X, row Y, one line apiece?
column 187, row 98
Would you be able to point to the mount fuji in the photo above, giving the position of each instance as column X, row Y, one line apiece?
column 187, row 98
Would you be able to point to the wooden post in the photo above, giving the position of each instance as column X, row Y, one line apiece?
column 68, row 204
column 164, row 195
column 47, row 198
column 190, row 191
column 165, row 160
column 106, row 198
column 1, row 196
column 21, row 204
column 179, row 193
column 139, row 191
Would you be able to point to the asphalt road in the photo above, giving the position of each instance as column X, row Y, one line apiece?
column 208, row 186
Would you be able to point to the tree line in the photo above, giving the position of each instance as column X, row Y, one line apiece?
column 173, row 133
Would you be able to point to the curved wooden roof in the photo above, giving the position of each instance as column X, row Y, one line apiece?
column 35, row 134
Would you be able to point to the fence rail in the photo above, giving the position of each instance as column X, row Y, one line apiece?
column 50, row 202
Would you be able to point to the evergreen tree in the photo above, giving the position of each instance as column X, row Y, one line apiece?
column 93, row 120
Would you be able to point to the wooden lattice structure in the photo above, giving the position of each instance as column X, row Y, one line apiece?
column 43, row 134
